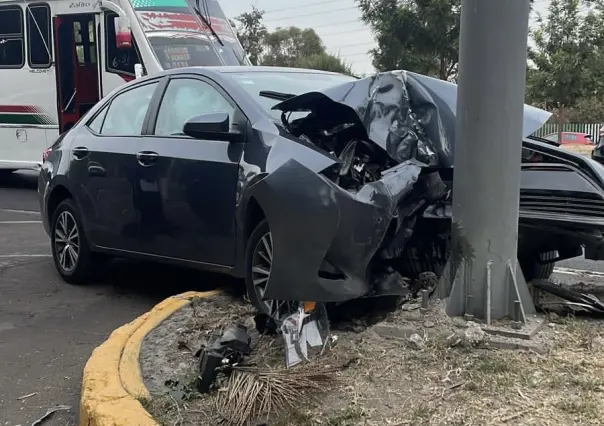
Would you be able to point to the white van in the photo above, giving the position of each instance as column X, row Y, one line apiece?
column 59, row 57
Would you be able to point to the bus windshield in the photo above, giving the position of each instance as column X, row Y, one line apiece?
column 180, row 39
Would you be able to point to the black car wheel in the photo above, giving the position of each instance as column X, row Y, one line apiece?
column 259, row 261
column 70, row 250
column 533, row 269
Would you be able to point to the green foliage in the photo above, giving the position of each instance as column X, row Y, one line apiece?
column 285, row 47
column 326, row 62
column 416, row 35
column 568, row 55
column 252, row 33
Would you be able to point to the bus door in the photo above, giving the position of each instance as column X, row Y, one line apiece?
column 77, row 67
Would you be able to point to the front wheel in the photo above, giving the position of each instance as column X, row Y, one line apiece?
column 258, row 265
column 533, row 269
column 70, row 250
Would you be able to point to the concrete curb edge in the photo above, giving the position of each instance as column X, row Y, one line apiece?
column 112, row 384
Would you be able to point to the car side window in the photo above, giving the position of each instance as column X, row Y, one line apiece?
column 186, row 98
column 127, row 112
column 569, row 137
column 96, row 123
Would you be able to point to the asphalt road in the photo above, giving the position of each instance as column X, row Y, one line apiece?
column 48, row 329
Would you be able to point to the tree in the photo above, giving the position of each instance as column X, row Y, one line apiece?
column 252, row 33
column 416, row 35
column 326, row 62
column 286, row 47
column 567, row 57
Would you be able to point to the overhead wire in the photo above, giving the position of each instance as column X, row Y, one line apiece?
column 323, row 12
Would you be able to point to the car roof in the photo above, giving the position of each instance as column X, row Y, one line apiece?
column 243, row 69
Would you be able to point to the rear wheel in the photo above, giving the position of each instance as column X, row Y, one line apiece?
column 70, row 250
column 259, row 262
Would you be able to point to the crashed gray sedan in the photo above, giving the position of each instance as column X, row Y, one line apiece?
column 313, row 186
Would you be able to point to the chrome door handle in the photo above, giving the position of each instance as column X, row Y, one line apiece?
column 80, row 152
column 146, row 158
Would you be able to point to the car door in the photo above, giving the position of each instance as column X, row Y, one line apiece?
column 104, row 165
column 192, row 214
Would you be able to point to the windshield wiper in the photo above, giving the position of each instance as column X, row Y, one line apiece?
column 279, row 96
column 207, row 22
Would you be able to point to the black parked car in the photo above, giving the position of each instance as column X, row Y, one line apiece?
column 598, row 152
column 313, row 186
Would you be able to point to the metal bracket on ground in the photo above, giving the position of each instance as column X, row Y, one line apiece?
column 462, row 301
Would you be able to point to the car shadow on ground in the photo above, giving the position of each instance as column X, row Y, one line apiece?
column 158, row 281
column 20, row 180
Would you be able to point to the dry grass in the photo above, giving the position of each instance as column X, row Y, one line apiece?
column 252, row 393
column 578, row 149
column 392, row 383
column 440, row 385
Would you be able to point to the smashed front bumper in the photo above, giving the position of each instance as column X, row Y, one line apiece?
column 313, row 222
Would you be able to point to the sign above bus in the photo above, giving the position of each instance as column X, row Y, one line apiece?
column 171, row 21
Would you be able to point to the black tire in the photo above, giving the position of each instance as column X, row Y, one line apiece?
column 260, row 231
column 81, row 270
column 533, row 269
column 544, row 271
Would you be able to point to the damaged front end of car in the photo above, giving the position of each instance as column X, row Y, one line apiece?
column 340, row 234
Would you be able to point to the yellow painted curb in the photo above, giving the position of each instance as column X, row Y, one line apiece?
column 112, row 384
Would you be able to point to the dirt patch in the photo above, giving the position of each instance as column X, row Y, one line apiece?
column 421, row 377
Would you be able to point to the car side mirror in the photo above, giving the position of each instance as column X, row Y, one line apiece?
column 214, row 126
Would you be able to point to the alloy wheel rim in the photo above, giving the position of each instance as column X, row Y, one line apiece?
column 262, row 263
column 67, row 241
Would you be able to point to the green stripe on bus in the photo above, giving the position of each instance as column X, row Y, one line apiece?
column 137, row 4
column 23, row 119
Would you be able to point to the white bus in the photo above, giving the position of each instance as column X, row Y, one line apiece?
column 59, row 57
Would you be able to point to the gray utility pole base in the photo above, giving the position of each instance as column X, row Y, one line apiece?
column 484, row 280
column 456, row 288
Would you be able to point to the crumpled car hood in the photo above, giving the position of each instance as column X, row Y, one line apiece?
column 408, row 115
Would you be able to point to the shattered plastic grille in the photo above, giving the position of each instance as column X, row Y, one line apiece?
column 566, row 205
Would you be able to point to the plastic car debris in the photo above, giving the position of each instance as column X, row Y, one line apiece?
column 227, row 351
column 573, row 299
column 301, row 330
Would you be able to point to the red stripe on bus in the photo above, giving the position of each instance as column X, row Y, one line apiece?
column 6, row 109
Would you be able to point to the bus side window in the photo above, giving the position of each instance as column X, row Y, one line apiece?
column 38, row 36
column 12, row 46
column 120, row 61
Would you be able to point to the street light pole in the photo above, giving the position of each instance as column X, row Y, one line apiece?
column 486, row 187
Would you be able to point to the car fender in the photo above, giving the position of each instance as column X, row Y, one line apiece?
column 313, row 220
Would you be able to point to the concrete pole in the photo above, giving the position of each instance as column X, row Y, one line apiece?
column 490, row 105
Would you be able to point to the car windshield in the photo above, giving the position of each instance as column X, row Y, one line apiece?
column 294, row 83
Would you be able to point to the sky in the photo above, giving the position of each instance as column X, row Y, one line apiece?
column 336, row 21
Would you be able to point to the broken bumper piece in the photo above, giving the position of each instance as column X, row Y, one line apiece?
column 313, row 222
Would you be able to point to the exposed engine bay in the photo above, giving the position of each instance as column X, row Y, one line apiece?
column 376, row 176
